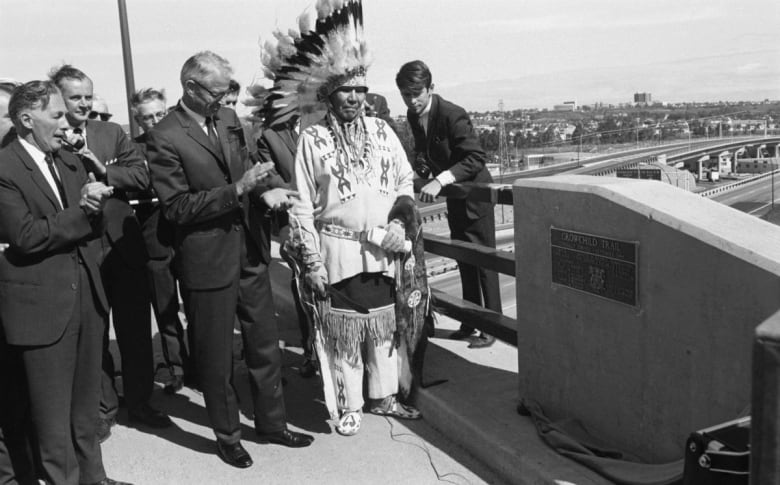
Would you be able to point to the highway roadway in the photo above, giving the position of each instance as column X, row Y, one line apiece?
column 754, row 198
column 449, row 281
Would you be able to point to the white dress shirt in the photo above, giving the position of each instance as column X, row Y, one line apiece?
column 40, row 160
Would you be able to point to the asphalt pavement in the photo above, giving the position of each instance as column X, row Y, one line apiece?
column 470, row 432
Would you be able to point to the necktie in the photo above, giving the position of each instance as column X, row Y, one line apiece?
column 212, row 132
column 78, row 139
column 57, row 181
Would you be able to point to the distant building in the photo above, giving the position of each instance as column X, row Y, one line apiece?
column 643, row 98
column 566, row 106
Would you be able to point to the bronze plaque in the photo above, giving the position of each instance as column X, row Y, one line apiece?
column 597, row 265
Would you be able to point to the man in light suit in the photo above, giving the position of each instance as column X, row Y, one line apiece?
column 108, row 153
column 448, row 148
column 211, row 192
column 52, row 304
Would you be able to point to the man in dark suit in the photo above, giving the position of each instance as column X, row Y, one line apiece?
column 107, row 152
column 376, row 106
column 449, row 149
column 149, row 108
column 278, row 145
column 15, row 464
column 210, row 191
column 52, row 304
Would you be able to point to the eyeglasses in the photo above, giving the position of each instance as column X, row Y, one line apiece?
column 93, row 115
column 216, row 96
column 154, row 116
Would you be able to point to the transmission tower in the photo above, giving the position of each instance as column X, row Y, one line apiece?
column 503, row 148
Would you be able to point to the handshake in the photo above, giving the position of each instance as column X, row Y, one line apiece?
column 94, row 195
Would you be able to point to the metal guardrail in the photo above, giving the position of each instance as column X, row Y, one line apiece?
column 737, row 184
column 493, row 323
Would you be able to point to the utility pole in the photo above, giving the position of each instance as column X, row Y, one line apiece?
column 503, row 149
column 127, row 57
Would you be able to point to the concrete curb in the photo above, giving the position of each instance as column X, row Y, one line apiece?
column 476, row 408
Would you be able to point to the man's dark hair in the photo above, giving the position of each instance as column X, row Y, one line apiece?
column 414, row 73
column 31, row 95
column 147, row 94
column 8, row 87
column 233, row 86
column 66, row 71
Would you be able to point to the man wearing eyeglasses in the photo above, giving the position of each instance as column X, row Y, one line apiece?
column 218, row 201
column 110, row 155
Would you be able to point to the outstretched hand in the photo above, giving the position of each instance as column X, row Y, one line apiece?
column 253, row 176
column 280, row 198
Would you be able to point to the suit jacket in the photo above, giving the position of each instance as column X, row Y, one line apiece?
column 157, row 230
column 279, row 145
column 451, row 144
column 39, row 271
column 128, row 173
column 195, row 183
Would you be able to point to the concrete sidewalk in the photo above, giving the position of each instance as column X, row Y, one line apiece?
column 470, row 434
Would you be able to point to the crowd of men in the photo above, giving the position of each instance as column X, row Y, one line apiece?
column 95, row 224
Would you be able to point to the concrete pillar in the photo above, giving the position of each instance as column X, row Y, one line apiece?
column 624, row 324
column 765, row 407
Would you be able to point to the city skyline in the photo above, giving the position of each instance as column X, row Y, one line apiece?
column 530, row 54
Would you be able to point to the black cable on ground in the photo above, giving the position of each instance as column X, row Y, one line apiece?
column 440, row 477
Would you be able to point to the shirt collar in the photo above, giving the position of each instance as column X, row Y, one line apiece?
column 427, row 110
column 199, row 118
column 37, row 155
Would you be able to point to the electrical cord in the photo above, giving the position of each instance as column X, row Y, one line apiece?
column 439, row 476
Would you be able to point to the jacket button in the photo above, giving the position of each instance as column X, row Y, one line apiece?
column 73, row 286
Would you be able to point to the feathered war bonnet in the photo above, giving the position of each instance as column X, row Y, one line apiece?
column 306, row 66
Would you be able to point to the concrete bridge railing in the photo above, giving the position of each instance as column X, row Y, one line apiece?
column 637, row 310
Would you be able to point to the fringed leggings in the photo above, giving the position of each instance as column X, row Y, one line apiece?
column 353, row 339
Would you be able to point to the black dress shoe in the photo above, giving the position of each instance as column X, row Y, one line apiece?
column 286, row 438
column 462, row 334
column 234, row 455
column 145, row 414
column 482, row 341
column 104, row 428
column 108, row 481
column 174, row 385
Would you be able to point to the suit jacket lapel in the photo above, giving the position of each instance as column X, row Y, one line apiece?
column 287, row 138
column 36, row 174
column 195, row 132
column 66, row 165
column 432, row 115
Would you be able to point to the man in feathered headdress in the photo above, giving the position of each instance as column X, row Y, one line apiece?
column 356, row 204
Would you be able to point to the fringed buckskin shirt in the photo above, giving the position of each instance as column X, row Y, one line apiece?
column 348, row 176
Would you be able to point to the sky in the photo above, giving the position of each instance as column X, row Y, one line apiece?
column 528, row 53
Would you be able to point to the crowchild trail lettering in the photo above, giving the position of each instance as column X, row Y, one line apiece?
column 597, row 265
